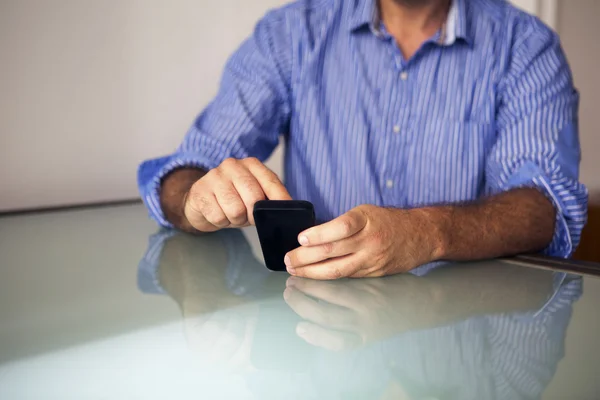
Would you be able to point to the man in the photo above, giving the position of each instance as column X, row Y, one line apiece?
column 421, row 130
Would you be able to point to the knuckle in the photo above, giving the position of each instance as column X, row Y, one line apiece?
column 238, row 213
column 300, row 273
column 250, row 183
column 327, row 248
column 272, row 178
column 253, row 199
column 228, row 162
column 364, row 207
column 269, row 176
column 214, row 173
column 199, row 203
column 196, row 189
column 297, row 256
column 217, row 219
column 252, row 161
column 346, row 224
column 295, row 260
column 230, row 197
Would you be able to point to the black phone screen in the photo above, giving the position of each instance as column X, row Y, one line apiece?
column 278, row 224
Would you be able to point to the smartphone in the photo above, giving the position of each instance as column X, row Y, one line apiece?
column 279, row 222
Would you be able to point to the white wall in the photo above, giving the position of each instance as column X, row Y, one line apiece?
column 89, row 88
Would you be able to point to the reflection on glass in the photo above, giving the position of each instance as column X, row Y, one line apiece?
column 471, row 331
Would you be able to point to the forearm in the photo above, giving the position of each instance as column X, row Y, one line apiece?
column 518, row 221
column 174, row 189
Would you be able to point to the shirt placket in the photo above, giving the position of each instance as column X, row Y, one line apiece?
column 398, row 130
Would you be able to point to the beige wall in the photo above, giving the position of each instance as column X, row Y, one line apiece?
column 89, row 88
column 577, row 374
column 580, row 33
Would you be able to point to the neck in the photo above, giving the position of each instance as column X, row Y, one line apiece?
column 413, row 17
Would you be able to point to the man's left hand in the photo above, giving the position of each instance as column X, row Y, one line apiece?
column 367, row 241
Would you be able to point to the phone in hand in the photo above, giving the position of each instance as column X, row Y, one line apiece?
column 279, row 222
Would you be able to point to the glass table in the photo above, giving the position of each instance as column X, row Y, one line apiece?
column 99, row 304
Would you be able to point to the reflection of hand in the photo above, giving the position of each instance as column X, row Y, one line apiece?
column 218, row 324
column 193, row 271
column 365, row 242
column 346, row 314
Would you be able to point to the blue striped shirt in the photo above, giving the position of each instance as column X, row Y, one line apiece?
column 486, row 107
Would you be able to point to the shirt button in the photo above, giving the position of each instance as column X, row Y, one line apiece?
column 404, row 75
column 396, row 129
column 389, row 183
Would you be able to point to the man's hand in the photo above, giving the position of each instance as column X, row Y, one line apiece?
column 370, row 241
column 367, row 241
column 349, row 313
column 342, row 315
column 224, row 197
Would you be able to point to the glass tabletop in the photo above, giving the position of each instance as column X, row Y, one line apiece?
column 100, row 304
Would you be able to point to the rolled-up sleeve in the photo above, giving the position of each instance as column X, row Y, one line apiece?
column 244, row 120
column 537, row 141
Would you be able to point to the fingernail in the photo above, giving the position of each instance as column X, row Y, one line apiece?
column 287, row 260
column 303, row 240
column 292, row 271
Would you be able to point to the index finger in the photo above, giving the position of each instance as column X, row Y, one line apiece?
column 340, row 228
column 268, row 180
column 319, row 312
column 341, row 293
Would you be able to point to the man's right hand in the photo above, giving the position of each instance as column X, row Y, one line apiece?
column 224, row 197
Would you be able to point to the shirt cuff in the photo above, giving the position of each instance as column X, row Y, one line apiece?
column 530, row 175
column 147, row 277
column 152, row 172
column 567, row 289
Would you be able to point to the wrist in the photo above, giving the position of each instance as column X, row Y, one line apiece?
column 436, row 225
column 174, row 192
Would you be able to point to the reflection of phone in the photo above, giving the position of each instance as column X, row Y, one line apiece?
column 279, row 222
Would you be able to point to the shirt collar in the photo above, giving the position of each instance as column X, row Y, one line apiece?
column 365, row 13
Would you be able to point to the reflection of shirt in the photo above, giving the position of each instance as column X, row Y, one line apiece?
column 488, row 107
column 244, row 273
column 507, row 356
